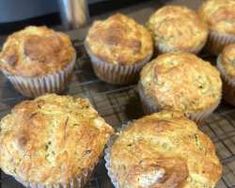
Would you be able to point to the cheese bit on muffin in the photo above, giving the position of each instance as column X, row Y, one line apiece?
column 177, row 28
column 52, row 141
column 163, row 150
column 180, row 81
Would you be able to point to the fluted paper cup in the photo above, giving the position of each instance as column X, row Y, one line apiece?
column 107, row 154
column 150, row 106
column 114, row 73
column 76, row 182
column 36, row 86
column 217, row 41
column 228, row 84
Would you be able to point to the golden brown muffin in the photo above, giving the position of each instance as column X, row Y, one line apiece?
column 220, row 17
column 119, row 40
column 163, row 150
column 52, row 141
column 38, row 60
column 118, row 48
column 180, row 81
column 177, row 28
column 226, row 66
column 36, row 51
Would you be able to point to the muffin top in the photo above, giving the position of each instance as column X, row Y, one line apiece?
column 164, row 150
column 51, row 139
column 220, row 15
column 177, row 28
column 36, row 51
column 119, row 40
column 181, row 81
column 227, row 60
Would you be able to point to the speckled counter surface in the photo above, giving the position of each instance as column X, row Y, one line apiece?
column 121, row 104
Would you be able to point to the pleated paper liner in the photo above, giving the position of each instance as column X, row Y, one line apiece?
column 150, row 106
column 36, row 86
column 217, row 41
column 107, row 154
column 76, row 182
column 114, row 73
column 228, row 84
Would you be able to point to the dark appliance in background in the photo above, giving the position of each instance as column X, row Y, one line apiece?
column 16, row 14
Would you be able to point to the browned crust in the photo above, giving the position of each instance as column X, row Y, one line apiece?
column 119, row 40
column 168, row 144
column 219, row 15
column 36, row 51
column 181, row 81
column 177, row 28
column 51, row 139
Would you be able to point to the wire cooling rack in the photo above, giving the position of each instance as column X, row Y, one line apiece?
column 121, row 104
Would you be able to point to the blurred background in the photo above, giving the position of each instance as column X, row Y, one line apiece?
column 16, row 14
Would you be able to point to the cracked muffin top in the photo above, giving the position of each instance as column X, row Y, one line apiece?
column 119, row 40
column 51, row 139
column 36, row 51
column 164, row 150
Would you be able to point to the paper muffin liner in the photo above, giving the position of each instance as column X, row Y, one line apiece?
column 161, row 48
column 107, row 156
column 76, row 182
column 228, row 84
column 150, row 106
column 36, row 86
column 114, row 73
column 217, row 41
column 229, row 93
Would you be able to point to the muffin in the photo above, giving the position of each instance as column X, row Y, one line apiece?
column 118, row 48
column 220, row 17
column 162, row 150
column 177, row 28
column 52, row 141
column 226, row 66
column 180, row 81
column 38, row 60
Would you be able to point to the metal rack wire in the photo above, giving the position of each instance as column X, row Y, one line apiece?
column 121, row 104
